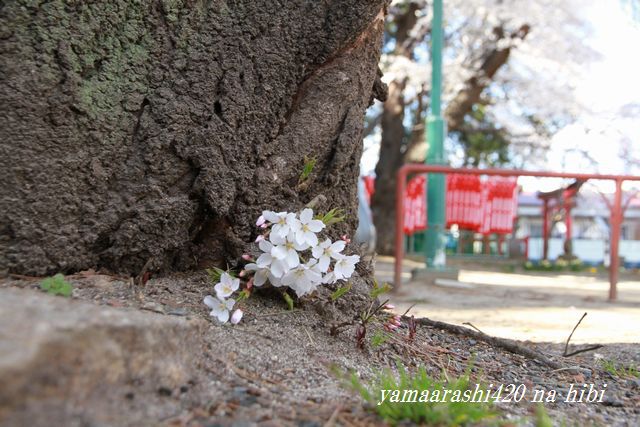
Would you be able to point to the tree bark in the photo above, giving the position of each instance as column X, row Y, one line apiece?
column 155, row 133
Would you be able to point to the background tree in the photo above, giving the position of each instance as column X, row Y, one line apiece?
column 500, row 103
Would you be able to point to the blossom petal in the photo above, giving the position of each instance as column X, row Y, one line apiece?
column 316, row 225
column 306, row 215
column 279, row 252
column 265, row 245
column 236, row 317
column 323, row 263
column 292, row 259
column 210, row 301
column 223, row 316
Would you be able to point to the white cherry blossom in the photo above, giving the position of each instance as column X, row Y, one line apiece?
column 303, row 279
column 219, row 308
column 227, row 286
column 283, row 222
column 345, row 266
column 327, row 250
column 308, row 228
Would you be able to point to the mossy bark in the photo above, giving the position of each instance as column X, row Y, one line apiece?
column 154, row 132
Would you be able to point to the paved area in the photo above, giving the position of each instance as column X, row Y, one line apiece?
column 536, row 307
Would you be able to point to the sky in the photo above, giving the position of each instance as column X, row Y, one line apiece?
column 610, row 86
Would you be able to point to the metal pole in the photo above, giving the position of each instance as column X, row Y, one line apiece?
column 436, row 129
column 616, row 221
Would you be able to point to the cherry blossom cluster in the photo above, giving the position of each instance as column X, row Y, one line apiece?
column 293, row 255
column 221, row 305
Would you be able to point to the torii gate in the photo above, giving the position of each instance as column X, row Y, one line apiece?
column 562, row 198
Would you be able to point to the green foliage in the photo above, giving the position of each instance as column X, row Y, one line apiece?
column 243, row 295
column 542, row 418
column 215, row 273
column 378, row 338
column 340, row 291
column 484, row 143
column 309, row 164
column 56, row 285
column 560, row 264
column 443, row 412
column 379, row 290
column 619, row 370
column 288, row 300
column 334, row 216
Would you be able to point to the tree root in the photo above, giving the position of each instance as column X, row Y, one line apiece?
column 503, row 343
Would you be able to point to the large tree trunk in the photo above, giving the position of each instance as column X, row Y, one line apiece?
column 153, row 133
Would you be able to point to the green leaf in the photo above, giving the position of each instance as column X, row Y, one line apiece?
column 379, row 290
column 243, row 295
column 334, row 216
column 215, row 273
column 288, row 299
column 56, row 285
column 340, row 291
column 378, row 338
column 307, row 169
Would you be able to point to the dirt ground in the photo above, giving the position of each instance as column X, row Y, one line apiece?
column 540, row 307
column 275, row 368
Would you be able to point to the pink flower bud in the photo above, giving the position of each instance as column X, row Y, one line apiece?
column 346, row 238
column 242, row 273
column 250, row 283
column 389, row 306
column 260, row 238
column 236, row 317
column 260, row 221
column 246, row 257
column 264, row 225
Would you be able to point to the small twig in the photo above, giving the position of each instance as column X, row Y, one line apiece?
column 472, row 325
column 332, row 420
column 309, row 335
column 408, row 309
column 566, row 353
column 566, row 346
column 584, row 350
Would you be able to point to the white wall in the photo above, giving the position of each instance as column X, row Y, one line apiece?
column 587, row 250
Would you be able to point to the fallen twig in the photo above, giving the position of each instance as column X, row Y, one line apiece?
column 332, row 420
column 566, row 353
column 473, row 326
column 506, row 344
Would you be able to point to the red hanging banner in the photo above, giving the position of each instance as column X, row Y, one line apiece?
column 415, row 205
column 464, row 201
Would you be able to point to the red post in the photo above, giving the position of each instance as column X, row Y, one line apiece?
column 616, row 222
column 568, row 244
column 399, row 252
column 545, row 229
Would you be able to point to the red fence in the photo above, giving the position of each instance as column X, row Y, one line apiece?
column 616, row 210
